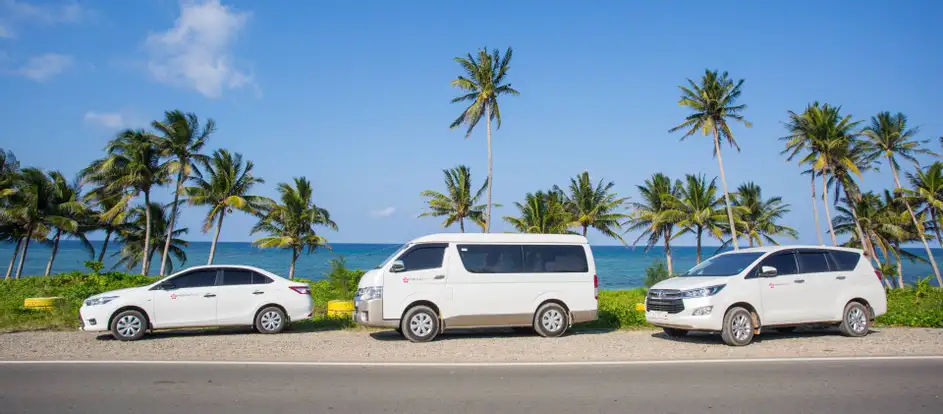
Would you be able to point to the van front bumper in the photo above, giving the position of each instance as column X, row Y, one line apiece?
column 370, row 313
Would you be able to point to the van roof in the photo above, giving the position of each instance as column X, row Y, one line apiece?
column 501, row 238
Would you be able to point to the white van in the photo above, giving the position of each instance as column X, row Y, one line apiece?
column 445, row 281
column 777, row 287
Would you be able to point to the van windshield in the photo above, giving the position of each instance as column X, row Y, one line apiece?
column 392, row 256
column 724, row 265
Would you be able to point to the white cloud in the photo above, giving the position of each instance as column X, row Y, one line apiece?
column 111, row 120
column 43, row 67
column 19, row 13
column 385, row 212
column 196, row 51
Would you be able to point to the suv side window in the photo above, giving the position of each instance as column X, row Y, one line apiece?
column 845, row 261
column 196, row 278
column 423, row 257
column 785, row 263
column 812, row 262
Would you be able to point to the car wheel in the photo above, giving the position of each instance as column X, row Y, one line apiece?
column 551, row 320
column 420, row 324
column 129, row 325
column 856, row 320
column 786, row 329
column 675, row 333
column 270, row 320
column 738, row 327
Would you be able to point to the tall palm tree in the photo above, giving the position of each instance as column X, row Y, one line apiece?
column 133, row 166
column 32, row 208
column 290, row 225
column 815, row 209
column 106, row 214
column 648, row 216
column 70, row 215
column 542, row 212
column 133, row 232
column 713, row 103
column 697, row 209
column 889, row 137
column 12, row 231
column 458, row 202
column 182, row 140
column 896, row 213
column 595, row 206
column 482, row 86
column 760, row 216
column 868, row 213
column 927, row 187
column 224, row 185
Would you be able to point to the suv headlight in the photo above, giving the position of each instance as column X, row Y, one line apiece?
column 702, row 292
column 101, row 300
column 372, row 292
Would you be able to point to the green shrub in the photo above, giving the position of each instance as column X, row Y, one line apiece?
column 655, row 273
column 617, row 309
column 918, row 306
column 340, row 284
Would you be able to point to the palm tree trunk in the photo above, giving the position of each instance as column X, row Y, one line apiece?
column 55, row 249
column 490, row 177
column 866, row 244
column 923, row 238
column 146, row 260
column 219, row 225
column 461, row 224
column 698, row 244
column 828, row 216
column 170, row 226
column 668, row 251
column 291, row 269
column 900, row 266
column 585, row 228
column 16, row 252
column 19, row 268
column 815, row 211
column 101, row 256
column 936, row 225
column 723, row 182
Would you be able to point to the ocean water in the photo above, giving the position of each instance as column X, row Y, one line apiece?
column 617, row 266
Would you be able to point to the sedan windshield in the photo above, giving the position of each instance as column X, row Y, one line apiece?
column 392, row 256
column 724, row 265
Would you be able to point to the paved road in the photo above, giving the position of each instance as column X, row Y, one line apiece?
column 768, row 387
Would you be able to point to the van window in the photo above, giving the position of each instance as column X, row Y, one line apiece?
column 845, row 260
column 423, row 257
column 491, row 258
column 812, row 262
column 555, row 259
column 785, row 263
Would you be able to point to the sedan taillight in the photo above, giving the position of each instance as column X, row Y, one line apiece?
column 303, row 290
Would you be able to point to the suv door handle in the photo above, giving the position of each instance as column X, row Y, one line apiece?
column 209, row 295
column 840, row 277
column 258, row 292
column 799, row 280
column 437, row 277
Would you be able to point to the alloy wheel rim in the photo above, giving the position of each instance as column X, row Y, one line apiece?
column 857, row 320
column 129, row 325
column 741, row 327
column 271, row 320
column 552, row 320
column 421, row 324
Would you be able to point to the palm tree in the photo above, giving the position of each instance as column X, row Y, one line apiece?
column 224, row 186
column 290, row 225
column 649, row 215
column 542, row 212
column 31, row 208
column 928, row 188
column 697, row 209
column 107, row 214
column 482, row 87
column 896, row 213
column 713, row 103
column 868, row 213
column 760, row 216
column 815, row 209
column 594, row 206
column 68, row 215
column 181, row 139
column 133, row 166
column 9, row 167
column 889, row 136
column 134, row 230
column 458, row 203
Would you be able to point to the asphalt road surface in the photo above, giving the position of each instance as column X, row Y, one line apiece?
column 899, row 386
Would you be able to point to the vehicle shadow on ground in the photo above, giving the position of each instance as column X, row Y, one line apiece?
column 183, row 333
column 766, row 335
column 489, row 333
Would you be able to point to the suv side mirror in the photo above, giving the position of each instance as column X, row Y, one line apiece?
column 397, row 266
column 767, row 271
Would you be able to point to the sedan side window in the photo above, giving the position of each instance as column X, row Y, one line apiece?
column 236, row 277
column 785, row 263
column 196, row 278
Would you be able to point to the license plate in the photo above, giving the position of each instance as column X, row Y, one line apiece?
column 658, row 314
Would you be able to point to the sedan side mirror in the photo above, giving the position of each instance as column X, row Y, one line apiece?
column 767, row 271
column 397, row 266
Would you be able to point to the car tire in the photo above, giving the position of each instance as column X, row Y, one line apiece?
column 856, row 320
column 270, row 320
column 738, row 327
column 420, row 324
column 551, row 320
column 675, row 333
column 129, row 325
column 399, row 331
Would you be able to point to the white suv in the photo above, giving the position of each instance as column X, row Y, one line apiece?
column 739, row 293
column 200, row 296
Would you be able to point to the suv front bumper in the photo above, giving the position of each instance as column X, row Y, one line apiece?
column 370, row 313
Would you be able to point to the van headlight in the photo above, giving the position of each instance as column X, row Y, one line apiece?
column 101, row 300
column 372, row 292
column 702, row 292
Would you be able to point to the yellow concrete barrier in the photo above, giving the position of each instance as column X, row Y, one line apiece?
column 340, row 308
column 640, row 307
column 41, row 303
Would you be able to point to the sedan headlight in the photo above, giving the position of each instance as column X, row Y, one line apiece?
column 702, row 292
column 372, row 292
column 101, row 300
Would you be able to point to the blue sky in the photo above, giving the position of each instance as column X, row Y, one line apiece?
column 355, row 95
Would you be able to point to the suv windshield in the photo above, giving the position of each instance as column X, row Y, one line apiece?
column 392, row 256
column 723, row 265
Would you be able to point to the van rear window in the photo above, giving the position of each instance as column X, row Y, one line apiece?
column 555, row 259
column 846, row 260
column 491, row 258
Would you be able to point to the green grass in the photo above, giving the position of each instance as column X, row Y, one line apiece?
column 918, row 307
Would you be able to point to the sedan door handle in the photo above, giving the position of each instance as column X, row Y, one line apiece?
column 258, row 292
column 840, row 277
column 209, row 295
column 799, row 280
column 439, row 277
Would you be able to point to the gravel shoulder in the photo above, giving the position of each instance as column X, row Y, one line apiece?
column 489, row 346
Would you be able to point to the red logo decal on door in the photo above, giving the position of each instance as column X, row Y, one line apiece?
column 173, row 296
column 405, row 279
column 771, row 285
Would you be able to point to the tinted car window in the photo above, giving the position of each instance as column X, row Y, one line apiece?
column 560, row 259
column 423, row 258
column 233, row 277
column 785, row 263
column 258, row 279
column 845, row 260
column 197, row 278
column 493, row 258
column 811, row 262
column 723, row 265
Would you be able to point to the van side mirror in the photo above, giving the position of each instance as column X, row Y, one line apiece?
column 767, row 271
column 397, row 266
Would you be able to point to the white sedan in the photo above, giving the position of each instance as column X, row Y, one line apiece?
column 198, row 297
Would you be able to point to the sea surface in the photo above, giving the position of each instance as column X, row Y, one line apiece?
column 617, row 266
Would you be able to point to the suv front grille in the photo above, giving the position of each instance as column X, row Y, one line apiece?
column 664, row 300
